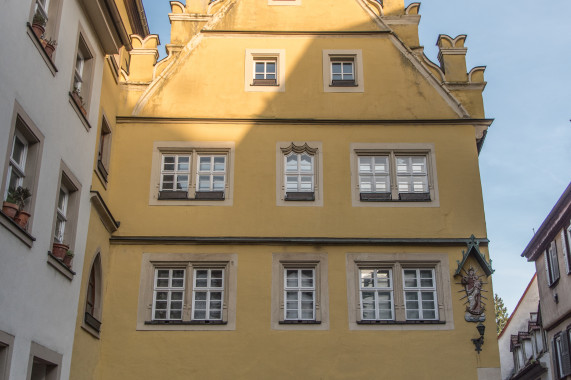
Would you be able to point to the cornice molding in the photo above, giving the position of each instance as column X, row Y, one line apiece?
column 297, row 32
column 103, row 211
column 251, row 240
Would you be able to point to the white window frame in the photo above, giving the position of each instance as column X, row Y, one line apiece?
column 299, row 173
column 410, row 173
column 329, row 56
column 253, row 55
column 209, row 289
column 293, row 198
column 192, row 197
column 265, row 61
column 419, row 290
column 211, row 173
column 190, row 263
column 566, row 243
column 61, row 214
column 299, row 289
column 376, row 289
column 342, row 60
column 551, row 264
column 42, row 6
column 16, row 168
column 175, row 172
column 169, row 289
column 78, row 71
column 394, row 198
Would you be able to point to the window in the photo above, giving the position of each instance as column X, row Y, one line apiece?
column 393, row 175
column 189, row 292
column 104, row 151
column 343, row 71
column 265, row 72
column 92, row 316
column 299, row 291
column 551, row 263
column 44, row 363
column 566, row 244
column 300, row 174
column 561, row 355
column 50, row 11
column 185, row 171
column 21, row 168
column 6, row 346
column 399, row 291
column 265, row 69
column 67, row 208
column 82, row 79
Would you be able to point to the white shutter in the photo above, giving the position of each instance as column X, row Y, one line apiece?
column 547, row 271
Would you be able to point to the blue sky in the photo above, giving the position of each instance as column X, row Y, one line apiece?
column 526, row 160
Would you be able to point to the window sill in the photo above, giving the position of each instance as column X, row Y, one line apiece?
column 183, row 196
column 102, row 171
column 299, row 322
column 41, row 49
column 344, row 84
column 91, row 325
column 16, row 230
column 265, row 82
column 419, row 322
column 78, row 110
column 186, row 322
column 60, row 267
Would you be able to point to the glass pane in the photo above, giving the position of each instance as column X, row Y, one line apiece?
column 337, row 76
column 306, row 183
column 216, row 283
column 426, row 279
column 368, row 314
column 427, row 296
column 412, row 314
column 270, row 67
column 181, row 182
column 200, row 305
column 177, row 283
column 411, row 296
column 307, row 278
column 348, row 68
column 365, row 164
column 419, row 184
column 306, row 297
column 219, row 164
column 366, row 184
column 291, row 163
column 404, row 184
column 402, row 165
column 429, row 314
column 162, row 296
column 204, row 183
column 336, row 67
column 162, row 283
column 259, row 76
column 305, row 164
column 418, row 164
column 18, row 152
column 176, row 305
column 410, row 278
column 291, row 296
column 381, row 164
column 270, row 76
column 367, row 278
column 199, row 314
column 307, row 314
column 215, row 305
column 214, row 314
column 204, row 163
column 160, row 305
column 291, row 314
column 382, row 184
column 291, row 278
column 200, row 296
column 62, row 200
column 216, row 296
column 176, row 296
column 163, row 273
column 385, row 314
column 384, row 297
column 260, row 67
column 183, row 163
column 308, row 305
column 176, row 314
column 218, row 182
column 368, row 297
column 201, row 273
column 160, row 314
column 383, row 278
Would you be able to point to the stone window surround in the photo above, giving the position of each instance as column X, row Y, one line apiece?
column 68, row 180
column 86, row 48
column 316, row 261
column 192, row 148
column 398, row 261
column 427, row 149
column 189, row 261
column 357, row 55
column 104, row 155
column 250, row 57
column 98, row 302
column 317, row 175
column 53, row 22
column 6, row 349
column 47, row 356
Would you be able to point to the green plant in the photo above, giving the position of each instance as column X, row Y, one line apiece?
column 10, row 197
column 39, row 19
column 21, row 195
column 69, row 253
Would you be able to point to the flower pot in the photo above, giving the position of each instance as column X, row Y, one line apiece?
column 38, row 29
column 79, row 102
column 49, row 50
column 59, row 250
column 67, row 259
column 9, row 209
column 22, row 218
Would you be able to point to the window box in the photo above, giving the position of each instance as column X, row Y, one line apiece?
column 209, row 195
column 102, row 170
column 173, row 195
column 375, row 197
column 300, row 196
column 265, row 82
column 92, row 322
column 414, row 197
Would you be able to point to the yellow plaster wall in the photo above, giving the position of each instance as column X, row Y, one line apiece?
column 394, row 89
column 255, row 212
column 254, row 351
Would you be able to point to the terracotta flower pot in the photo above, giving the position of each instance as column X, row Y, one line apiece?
column 59, row 250
column 67, row 259
column 22, row 218
column 9, row 209
column 49, row 50
column 39, row 30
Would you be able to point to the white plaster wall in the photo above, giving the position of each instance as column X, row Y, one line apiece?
column 37, row 303
column 518, row 322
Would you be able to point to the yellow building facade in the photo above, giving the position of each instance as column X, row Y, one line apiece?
column 297, row 186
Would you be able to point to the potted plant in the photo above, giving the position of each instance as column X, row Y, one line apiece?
column 50, row 46
column 68, row 258
column 59, row 250
column 9, row 207
column 21, row 195
column 39, row 25
column 76, row 94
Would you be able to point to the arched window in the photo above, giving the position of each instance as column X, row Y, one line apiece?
column 92, row 320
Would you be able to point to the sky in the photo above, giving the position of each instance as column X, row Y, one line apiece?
column 525, row 164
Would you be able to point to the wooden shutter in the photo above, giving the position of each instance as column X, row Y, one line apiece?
column 565, row 356
column 547, row 270
column 554, row 261
column 566, row 253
